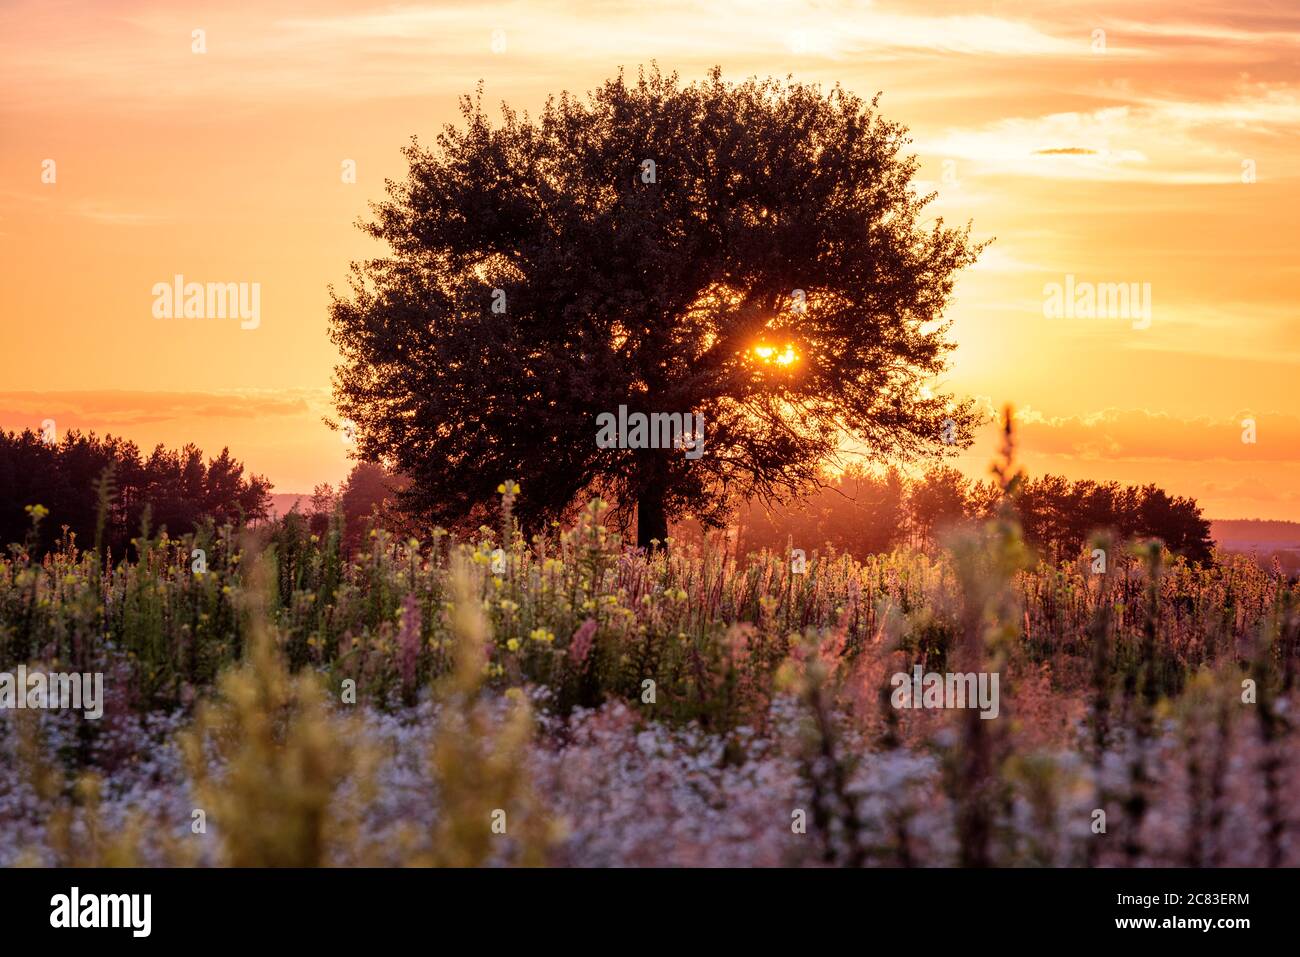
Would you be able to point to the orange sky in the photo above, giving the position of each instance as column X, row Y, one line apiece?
column 1113, row 157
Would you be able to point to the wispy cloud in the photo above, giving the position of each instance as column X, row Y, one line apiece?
column 105, row 409
column 1150, row 140
column 1137, row 434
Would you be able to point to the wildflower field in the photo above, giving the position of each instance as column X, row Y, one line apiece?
column 571, row 701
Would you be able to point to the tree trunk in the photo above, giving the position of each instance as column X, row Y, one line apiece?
column 651, row 519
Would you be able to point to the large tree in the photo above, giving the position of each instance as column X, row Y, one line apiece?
column 754, row 252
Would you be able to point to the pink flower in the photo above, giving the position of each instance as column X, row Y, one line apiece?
column 408, row 640
column 583, row 639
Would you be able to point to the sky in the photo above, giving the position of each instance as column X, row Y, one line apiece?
column 1155, row 144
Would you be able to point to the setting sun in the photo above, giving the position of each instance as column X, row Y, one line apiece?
column 770, row 355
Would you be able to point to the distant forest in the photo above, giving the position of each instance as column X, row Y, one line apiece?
column 856, row 511
column 70, row 478
column 862, row 513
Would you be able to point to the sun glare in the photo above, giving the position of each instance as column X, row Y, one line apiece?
column 769, row 355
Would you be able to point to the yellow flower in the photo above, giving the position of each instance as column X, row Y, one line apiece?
column 513, row 644
column 541, row 634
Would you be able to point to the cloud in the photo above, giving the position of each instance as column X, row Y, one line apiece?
column 1199, row 138
column 276, row 53
column 1138, row 434
column 104, row 410
column 97, row 213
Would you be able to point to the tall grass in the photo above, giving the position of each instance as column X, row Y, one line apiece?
column 262, row 640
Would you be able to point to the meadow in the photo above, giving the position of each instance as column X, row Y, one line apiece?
column 564, row 699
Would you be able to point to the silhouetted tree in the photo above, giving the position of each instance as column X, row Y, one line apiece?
column 854, row 511
column 937, row 500
column 323, row 503
column 368, row 499
column 1058, row 516
column 635, row 249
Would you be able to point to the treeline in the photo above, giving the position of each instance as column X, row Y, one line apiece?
column 857, row 511
column 82, row 477
column 863, row 513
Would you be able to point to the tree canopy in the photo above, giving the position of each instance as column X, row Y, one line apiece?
column 755, row 253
